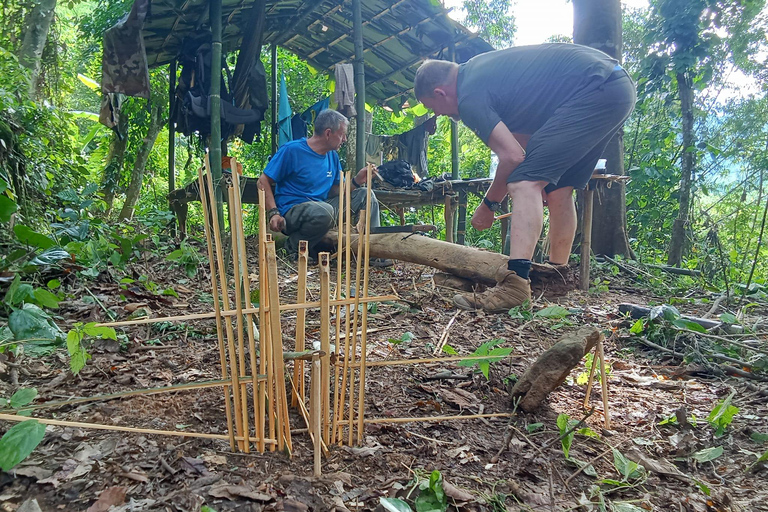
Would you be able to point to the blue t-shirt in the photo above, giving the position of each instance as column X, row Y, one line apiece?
column 301, row 174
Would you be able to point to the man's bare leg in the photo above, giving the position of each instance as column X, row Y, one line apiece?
column 562, row 224
column 527, row 217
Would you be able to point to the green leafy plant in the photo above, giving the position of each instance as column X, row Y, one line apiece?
column 406, row 337
column 630, row 471
column 564, row 423
column 589, row 361
column 78, row 355
column 490, row 349
column 22, row 438
column 186, row 256
column 432, row 497
column 722, row 415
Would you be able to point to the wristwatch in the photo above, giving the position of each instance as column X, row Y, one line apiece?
column 271, row 213
column 494, row 206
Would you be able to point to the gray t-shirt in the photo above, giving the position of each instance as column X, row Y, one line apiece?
column 523, row 86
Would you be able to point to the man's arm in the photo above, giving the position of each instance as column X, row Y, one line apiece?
column 265, row 183
column 359, row 180
column 511, row 154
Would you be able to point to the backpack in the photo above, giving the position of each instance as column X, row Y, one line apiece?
column 397, row 173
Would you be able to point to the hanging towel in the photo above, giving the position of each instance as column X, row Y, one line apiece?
column 345, row 89
column 284, row 114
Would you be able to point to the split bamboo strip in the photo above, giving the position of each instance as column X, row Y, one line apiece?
column 117, row 428
column 338, row 309
column 234, row 232
column 352, row 355
column 604, row 382
column 258, row 419
column 375, row 421
column 364, row 334
column 216, row 305
column 224, row 297
column 339, row 409
column 591, row 379
column 301, row 327
column 306, row 414
column 281, row 399
column 396, row 362
column 247, row 311
column 265, row 403
column 133, row 392
column 316, row 425
column 325, row 342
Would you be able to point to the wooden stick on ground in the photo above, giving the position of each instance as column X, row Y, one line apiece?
column 233, row 231
column 216, row 308
column 444, row 336
column 301, row 317
column 325, row 343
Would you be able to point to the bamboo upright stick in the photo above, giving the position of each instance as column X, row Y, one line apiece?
column 339, row 308
column 325, row 341
column 204, row 201
column 301, row 318
column 339, row 413
column 604, row 382
column 315, row 407
column 353, row 348
column 234, row 232
column 265, row 402
column 591, row 379
column 281, row 399
column 364, row 334
column 258, row 419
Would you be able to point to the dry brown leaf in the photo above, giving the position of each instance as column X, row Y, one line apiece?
column 109, row 497
column 133, row 306
column 463, row 400
column 232, row 492
column 457, row 494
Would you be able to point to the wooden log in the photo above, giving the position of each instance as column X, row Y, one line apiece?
column 553, row 366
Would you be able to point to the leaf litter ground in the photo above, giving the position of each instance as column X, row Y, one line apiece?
column 86, row 470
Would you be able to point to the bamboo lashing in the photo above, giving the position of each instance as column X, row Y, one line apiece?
column 235, row 245
column 222, row 272
column 301, row 317
column 266, row 394
column 325, row 343
column 258, row 419
column 216, row 308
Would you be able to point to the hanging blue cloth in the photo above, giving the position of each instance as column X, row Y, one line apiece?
column 284, row 114
column 310, row 114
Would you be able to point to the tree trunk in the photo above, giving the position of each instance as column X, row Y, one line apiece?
column 677, row 243
column 597, row 23
column 115, row 160
column 36, row 27
column 137, row 174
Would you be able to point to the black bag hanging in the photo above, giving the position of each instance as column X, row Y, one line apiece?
column 397, row 173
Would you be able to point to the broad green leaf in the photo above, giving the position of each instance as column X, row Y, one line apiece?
column 91, row 329
column 19, row 442
column 3, row 185
column 394, row 505
column 722, row 415
column 450, row 350
column 32, row 323
column 22, row 397
column 432, row 497
column 31, row 237
column 563, row 424
column 50, row 256
column 626, row 507
column 552, row 312
column 637, row 327
column 708, row 454
column 759, row 437
column 533, row 427
column 589, row 470
column 45, row 298
column 53, row 284
column 206, row 508
column 627, row 468
column 18, row 292
column 682, row 323
column 77, row 354
column 728, row 318
column 7, row 208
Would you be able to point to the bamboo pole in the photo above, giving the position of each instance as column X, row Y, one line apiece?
column 591, row 379
column 281, row 400
column 301, row 318
column 258, row 419
column 364, row 334
column 118, row 428
column 398, row 362
column 315, row 406
column 225, row 300
column 234, row 232
column 339, row 412
column 375, row 421
column 338, row 309
column 325, row 342
column 265, row 403
column 604, row 382
column 353, row 348
column 216, row 306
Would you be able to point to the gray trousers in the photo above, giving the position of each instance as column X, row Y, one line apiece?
column 310, row 221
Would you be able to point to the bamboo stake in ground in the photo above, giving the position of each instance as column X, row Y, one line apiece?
column 224, row 298
column 353, row 348
column 339, row 412
column 301, row 317
column 604, row 382
column 264, row 402
column 281, row 399
column 315, row 407
column 258, row 419
column 339, row 308
column 233, row 232
column 216, row 308
column 364, row 334
column 325, row 341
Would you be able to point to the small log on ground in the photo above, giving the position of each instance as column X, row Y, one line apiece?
column 553, row 366
column 470, row 263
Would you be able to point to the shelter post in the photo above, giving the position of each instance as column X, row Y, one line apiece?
column 171, row 135
column 455, row 157
column 357, row 17
column 274, row 99
column 214, row 145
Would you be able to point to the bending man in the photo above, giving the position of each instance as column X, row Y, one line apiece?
column 306, row 175
column 564, row 102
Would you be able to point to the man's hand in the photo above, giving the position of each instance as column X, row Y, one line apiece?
column 361, row 178
column 277, row 223
column 483, row 217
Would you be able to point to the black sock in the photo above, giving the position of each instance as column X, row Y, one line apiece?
column 520, row 267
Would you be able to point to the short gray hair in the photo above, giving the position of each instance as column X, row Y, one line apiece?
column 329, row 119
column 430, row 75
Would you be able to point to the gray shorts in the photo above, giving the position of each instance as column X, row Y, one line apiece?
column 565, row 150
